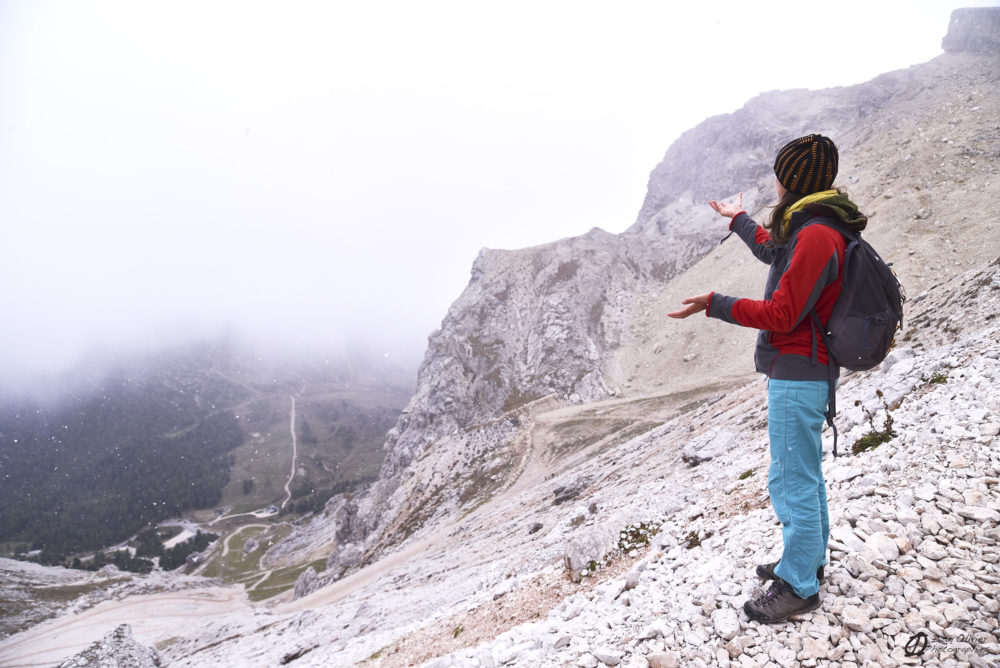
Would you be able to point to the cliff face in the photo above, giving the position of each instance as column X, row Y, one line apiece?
column 583, row 319
column 528, row 325
column 532, row 324
column 973, row 31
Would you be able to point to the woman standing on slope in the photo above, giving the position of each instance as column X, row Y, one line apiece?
column 806, row 261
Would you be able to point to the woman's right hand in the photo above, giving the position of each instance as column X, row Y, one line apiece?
column 728, row 210
column 692, row 305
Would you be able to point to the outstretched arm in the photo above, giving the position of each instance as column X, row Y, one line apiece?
column 752, row 234
column 814, row 265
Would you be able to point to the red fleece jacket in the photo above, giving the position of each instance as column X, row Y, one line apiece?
column 804, row 275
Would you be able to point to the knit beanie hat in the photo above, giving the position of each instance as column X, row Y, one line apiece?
column 807, row 165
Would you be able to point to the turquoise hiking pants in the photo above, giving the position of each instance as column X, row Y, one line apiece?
column 795, row 415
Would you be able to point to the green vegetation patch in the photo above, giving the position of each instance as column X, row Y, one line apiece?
column 282, row 580
column 937, row 378
column 237, row 567
column 115, row 476
column 182, row 433
column 694, row 539
column 637, row 535
column 877, row 435
column 632, row 537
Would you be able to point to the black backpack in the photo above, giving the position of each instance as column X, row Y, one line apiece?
column 868, row 313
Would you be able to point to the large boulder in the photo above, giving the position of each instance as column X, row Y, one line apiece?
column 587, row 546
column 303, row 584
column 709, row 445
column 118, row 649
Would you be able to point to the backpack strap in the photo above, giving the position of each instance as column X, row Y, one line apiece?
column 836, row 224
column 831, row 409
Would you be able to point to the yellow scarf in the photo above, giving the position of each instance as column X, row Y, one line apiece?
column 803, row 203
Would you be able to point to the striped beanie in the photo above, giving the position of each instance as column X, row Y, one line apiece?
column 807, row 165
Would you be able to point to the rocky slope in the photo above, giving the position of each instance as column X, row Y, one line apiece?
column 915, row 539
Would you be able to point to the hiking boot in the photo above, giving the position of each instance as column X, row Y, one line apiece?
column 779, row 603
column 766, row 572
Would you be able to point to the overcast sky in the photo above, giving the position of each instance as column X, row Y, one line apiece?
column 310, row 173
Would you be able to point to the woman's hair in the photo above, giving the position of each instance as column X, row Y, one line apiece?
column 774, row 226
column 779, row 234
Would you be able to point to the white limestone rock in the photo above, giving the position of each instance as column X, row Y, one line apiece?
column 118, row 649
column 882, row 544
column 303, row 584
column 714, row 443
column 670, row 659
column 857, row 618
column 726, row 622
column 589, row 544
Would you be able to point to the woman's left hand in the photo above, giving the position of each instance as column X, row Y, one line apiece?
column 728, row 210
column 694, row 305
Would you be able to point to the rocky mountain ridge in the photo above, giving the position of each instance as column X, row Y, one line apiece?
column 581, row 319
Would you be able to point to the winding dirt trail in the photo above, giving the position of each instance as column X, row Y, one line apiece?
column 225, row 544
column 154, row 618
column 532, row 470
column 295, row 454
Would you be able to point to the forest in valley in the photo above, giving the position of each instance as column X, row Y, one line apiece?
column 189, row 429
column 89, row 475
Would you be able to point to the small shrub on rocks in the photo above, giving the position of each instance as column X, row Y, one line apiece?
column 630, row 539
column 693, row 539
column 637, row 535
column 939, row 378
column 876, row 436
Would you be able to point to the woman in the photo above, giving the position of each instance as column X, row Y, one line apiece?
column 806, row 261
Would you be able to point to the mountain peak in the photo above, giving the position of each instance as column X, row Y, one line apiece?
column 973, row 30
